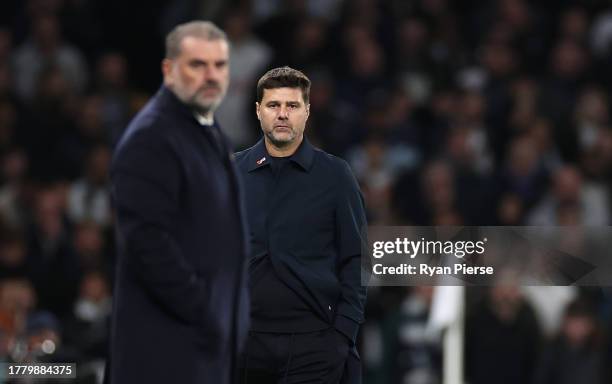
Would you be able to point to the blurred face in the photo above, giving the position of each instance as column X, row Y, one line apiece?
column 523, row 157
column 567, row 184
column 505, row 301
column 97, row 167
column 438, row 182
column 577, row 329
column 112, row 69
column 88, row 239
column 46, row 32
column 569, row 59
column 12, row 254
column 94, row 287
column 17, row 296
column 282, row 114
column 199, row 75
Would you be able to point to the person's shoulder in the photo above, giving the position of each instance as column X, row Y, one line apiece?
column 242, row 157
column 149, row 134
column 337, row 170
column 333, row 163
column 143, row 130
column 149, row 125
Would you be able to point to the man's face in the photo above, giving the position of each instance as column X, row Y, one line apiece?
column 282, row 114
column 199, row 75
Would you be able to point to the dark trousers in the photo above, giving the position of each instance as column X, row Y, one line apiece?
column 282, row 358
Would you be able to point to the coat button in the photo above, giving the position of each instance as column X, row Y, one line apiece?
column 329, row 307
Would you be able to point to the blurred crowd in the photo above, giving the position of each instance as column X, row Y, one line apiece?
column 449, row 112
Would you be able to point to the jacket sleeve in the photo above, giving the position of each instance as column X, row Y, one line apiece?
column 350, row 235
column 146, row 187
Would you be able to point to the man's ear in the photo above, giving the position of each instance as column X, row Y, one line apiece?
column 307, row 110
column 166, row 67
column 257, row 110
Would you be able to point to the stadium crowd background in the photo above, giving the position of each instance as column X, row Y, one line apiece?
column 449, row 112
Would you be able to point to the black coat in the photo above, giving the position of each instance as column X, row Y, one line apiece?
column 181, row 309
column 311, row 222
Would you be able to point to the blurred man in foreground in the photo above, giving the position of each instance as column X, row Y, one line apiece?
column 180, row 310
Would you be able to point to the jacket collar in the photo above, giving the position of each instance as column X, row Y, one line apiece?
column 169, row 100
column 304, row 156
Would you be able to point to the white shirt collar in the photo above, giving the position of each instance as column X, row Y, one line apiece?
column 203, row 120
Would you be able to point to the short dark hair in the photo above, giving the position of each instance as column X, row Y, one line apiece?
column 284, row 77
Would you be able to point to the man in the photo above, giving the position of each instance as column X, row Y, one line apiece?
column 180, row 305
column 305, row 215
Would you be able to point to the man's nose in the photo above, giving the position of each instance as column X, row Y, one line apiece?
column 283, row 113
column 212, row 74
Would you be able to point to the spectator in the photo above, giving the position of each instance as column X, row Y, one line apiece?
column 13, row 172
column 73, row 149
column 49, row 118
column 90, row 247
column 13, row 252
column 88, row 326
column 89, row 197
column 45, row 47
column 502, row 338
column 17, row 299
column 577, row 353
column 590, row 201
column 53, row 264
column 412, row 354
column 250, row 56
column 332, row 123
column 112, row 86
column 523, row 174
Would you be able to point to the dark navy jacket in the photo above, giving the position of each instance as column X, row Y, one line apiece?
column 309, row 220
column 180, row 310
